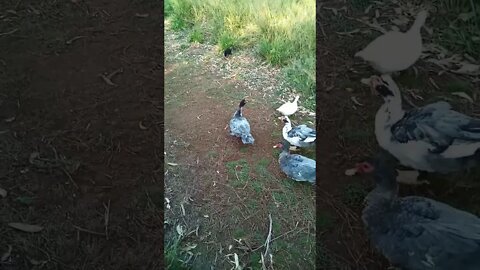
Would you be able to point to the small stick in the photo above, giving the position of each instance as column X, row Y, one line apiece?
column 9, row 32
column 88, row 231
column 107, row 215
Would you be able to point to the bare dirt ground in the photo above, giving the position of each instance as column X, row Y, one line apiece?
column 80, row 154
column 220, row 192
column 349, row 127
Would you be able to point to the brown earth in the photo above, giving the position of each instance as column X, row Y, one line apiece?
column 219, row 189
column 81, row 157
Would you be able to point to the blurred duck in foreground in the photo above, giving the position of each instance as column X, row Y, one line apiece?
column 417, row 233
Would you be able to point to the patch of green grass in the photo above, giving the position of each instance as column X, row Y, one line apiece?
column 459, row 33
column 196, row 35
column 257, row 186
column 173, row 256
column 301, row 75
column 354, row 194
column 239, row 171
column 227, row 40
column 282, row 31
column 239, row 233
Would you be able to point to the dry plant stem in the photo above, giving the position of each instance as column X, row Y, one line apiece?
column 88, row 231
column 107, row 217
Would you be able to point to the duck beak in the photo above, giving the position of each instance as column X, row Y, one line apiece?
column 374, row 82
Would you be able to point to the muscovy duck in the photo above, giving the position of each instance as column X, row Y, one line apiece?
column 289, row 108
column 395, row 51
column 418, row 233
column 239, row 126
column 299, row 136
column 433, row 138
column 296, row 167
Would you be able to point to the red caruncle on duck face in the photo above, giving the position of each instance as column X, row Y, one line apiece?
column 364, row 167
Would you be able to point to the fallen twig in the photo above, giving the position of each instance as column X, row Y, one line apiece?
column 88, row 231
column 9, row 32
column 107, row 217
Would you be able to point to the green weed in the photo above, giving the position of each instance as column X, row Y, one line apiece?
column 196, row 36
column 282, row 31
column 239, row 171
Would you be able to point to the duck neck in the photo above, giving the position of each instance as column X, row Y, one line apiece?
column 393, row 109
column 296, row 99
column 417, row 25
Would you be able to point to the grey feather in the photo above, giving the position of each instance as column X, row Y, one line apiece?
column 419, row 233
column 436, row 124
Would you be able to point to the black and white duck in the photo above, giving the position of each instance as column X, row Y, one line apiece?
column 296, row 167
column 239, row 126
column 418, row 233
column 433, row 138
column 299, row 136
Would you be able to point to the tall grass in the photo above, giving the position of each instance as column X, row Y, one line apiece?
column 281, row 31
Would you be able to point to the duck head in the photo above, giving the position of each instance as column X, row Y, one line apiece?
column 248, row 139
column 285, row 120
column 385, row 87
column 382, row 166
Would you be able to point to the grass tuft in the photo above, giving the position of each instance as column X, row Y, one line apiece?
column 282, row 32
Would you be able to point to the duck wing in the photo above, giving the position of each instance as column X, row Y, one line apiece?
column 303, row 132
column 299, row 167
column 424, row 234
column 440, row 127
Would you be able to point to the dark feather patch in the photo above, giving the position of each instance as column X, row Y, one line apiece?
column 383, row 90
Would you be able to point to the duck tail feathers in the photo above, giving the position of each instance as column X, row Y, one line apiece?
column 248, row 139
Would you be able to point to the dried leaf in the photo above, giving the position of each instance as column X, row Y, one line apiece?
column 36, row 262
column 434, row 83
column 463, row 95
column 33, row 156
column 354, row 99
column 349, row 33
column 172, row 164
column 189, row 247
column 7, row 254
column 141, row 126
column 395, row 28
column 351, row 172
column 25, row 227
column 468, row 69
column 141, row 15
column 180, row 230
column 10, row 119
column 367, row 10
column 366, row 81
column 3, row 193
column 107, row 80
column 466, row 16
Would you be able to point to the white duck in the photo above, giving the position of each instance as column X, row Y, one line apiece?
column 299, row 136
column 395, row 51
column 432, row 138
column 289, row 108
